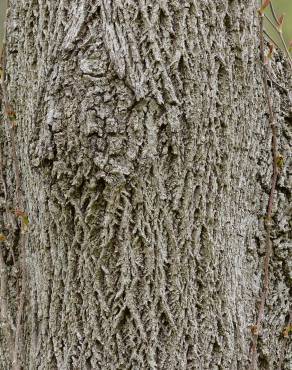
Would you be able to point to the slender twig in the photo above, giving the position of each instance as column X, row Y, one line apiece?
column 271, row 22
column 273, row 13
column 271, row 39
column 279, row 32
column 275, row 173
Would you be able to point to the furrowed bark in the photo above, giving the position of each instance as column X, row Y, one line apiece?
column 145, row 164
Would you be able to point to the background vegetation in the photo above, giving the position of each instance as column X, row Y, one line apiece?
column 282, row 7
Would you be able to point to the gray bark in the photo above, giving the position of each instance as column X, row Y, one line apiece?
column 145, row 166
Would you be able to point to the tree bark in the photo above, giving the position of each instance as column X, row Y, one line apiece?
column 144, row 153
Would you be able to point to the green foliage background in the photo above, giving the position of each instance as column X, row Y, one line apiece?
column 281, row 6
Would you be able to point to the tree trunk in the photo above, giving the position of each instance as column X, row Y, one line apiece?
column 144, row 156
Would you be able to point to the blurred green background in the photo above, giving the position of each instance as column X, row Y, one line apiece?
column 281, row 6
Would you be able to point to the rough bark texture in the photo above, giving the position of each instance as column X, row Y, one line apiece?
column 145, row 160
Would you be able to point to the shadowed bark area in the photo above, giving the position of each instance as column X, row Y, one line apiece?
column 145, row 161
